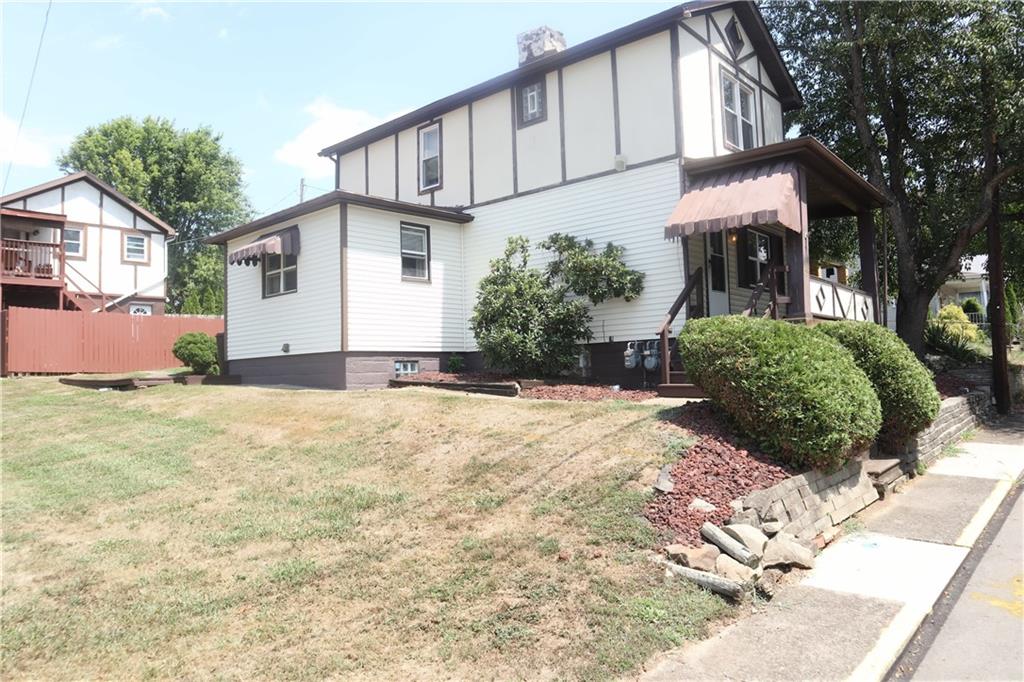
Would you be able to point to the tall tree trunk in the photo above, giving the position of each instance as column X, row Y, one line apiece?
column 912, row 316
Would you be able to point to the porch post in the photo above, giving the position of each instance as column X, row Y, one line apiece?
column 868, row 259
column 798, row 259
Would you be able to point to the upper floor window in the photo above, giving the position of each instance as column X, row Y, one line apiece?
column 532, row 103
column 280, row 274
column 73, row 245
column 430, row 157
column 136, row 248
column 737, row 113
column 415, row 252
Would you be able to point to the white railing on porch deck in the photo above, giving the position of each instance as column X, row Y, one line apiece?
column 834, row 301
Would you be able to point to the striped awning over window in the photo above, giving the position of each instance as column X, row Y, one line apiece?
column 284, row 242
column 765, row 194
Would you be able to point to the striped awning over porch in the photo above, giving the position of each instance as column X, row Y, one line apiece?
column 284, row 242
column 751, row 196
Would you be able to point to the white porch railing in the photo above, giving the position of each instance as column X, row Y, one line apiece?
column 834, row 301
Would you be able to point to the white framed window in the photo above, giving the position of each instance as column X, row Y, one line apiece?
column 280, row 274
column 415, row 251
column 136, row 248
column 73, row 245
column 430, row 157
column 532, row 103
column 404, row 368
column 737, row 113
column 143, row 309
column 759, row 255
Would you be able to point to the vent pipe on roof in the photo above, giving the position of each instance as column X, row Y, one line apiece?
column 539, row 43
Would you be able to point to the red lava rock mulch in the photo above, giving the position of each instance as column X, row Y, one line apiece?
column 716, row 470
column 584, row 392
column 950, row 386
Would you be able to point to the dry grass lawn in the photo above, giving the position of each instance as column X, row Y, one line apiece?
column 240, row 532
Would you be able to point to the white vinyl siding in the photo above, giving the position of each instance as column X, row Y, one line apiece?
column 387, row 312
column 309, row 320
column 627, row 208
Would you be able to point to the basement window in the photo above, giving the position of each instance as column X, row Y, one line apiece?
column 404, row 368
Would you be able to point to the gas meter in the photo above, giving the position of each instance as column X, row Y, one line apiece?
column 652, row 358
column 631, row 356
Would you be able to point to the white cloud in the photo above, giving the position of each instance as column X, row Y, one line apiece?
column 32, row 148
column 108, row 42
column 148, row 11
column 330, row 124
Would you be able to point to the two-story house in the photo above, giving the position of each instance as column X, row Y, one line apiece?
column 665, row 137
column 77, row 243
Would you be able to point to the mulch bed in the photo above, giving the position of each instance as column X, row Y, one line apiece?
column 462, row 377
column 717, row 469
column 950, row 386
column 584, row 392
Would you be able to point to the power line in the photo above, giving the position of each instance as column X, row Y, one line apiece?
column 28, row 93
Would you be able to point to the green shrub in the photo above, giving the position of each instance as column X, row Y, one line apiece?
column 954, row 317
column 198, row 351
column 904, row 386
column 455, row 363
column 971, row 305
column 948, row 340
column 797, row 393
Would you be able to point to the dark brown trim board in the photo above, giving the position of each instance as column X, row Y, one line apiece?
column 561, row 121
column 515, row 144
column 472, row 189
column 747, row 12
column 343, row 264
column 323, row 201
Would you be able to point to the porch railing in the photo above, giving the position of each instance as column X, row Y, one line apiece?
column 833, row 301
column 695, row 282
column 770, row 283
column 21, row 258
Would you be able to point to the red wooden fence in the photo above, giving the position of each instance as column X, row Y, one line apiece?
column 37, row 341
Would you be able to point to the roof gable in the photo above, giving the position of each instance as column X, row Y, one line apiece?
column 98, row 184
column 749, row 16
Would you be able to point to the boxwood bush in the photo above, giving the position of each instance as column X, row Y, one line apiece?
column 198, row 351
column 904, row 386
column 798, row 394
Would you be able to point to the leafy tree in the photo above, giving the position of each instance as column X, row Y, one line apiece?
column 924, row 98
column 203, row 292
column 186, row 177
column 530, row 322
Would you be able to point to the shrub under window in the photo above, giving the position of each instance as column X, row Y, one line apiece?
column 903, row 385
column 795, row 392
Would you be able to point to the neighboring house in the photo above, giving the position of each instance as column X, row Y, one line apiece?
column 665, row 137
column 971, row 282
column 77, row 243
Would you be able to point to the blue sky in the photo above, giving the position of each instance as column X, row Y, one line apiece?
column 278, row 81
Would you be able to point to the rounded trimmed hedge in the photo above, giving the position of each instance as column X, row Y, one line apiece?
column 904, row 386
column 798, row 394
column 198, row 351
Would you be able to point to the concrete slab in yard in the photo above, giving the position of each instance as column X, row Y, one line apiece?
column 935, row 508
column 983, row 460
column 803, row 634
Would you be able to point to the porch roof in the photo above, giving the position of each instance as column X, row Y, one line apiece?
column 33, row 215
column 761, row 186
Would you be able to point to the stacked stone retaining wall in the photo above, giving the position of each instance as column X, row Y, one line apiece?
column 810, row 504
column 957, row 416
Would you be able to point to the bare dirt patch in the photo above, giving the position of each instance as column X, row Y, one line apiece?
column 212, row 531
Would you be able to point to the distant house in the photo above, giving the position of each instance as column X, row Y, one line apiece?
column 77, row 243
column 665, row 136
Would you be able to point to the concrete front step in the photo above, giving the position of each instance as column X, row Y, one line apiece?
column 887, row 473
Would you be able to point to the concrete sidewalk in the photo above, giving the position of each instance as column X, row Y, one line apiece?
column 851, row 616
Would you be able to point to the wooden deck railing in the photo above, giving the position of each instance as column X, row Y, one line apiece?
column 833, row 301
column 32, row 260
column 769, row 282
column 695, row 282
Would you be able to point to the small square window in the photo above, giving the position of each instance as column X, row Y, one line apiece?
column 531, row 103
column 73, row 241
column 404, row 368
column 136, row 248
column 280, row 274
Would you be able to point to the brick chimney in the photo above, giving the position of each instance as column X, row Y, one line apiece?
column 539, row 43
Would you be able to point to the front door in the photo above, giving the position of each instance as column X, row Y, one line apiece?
column 718, row 291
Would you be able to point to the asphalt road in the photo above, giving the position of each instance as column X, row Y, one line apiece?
column 981, row 636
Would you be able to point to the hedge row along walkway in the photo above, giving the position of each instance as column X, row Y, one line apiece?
column 851, row 616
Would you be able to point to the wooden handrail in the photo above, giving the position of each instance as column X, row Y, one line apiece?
column 768, row 281
column 696, row 278
column 681, row 299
